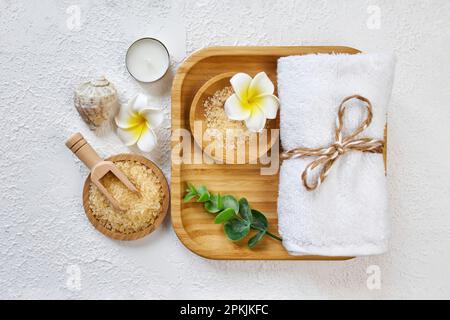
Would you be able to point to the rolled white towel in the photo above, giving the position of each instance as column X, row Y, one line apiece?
column 347, row 215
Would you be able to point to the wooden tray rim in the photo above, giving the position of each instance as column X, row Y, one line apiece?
column 175, row 181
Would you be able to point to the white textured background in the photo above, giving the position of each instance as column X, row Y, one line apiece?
column 45, row 237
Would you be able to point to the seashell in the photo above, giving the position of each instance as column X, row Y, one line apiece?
column 96, row 101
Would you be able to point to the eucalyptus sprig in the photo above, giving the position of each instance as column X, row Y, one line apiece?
column 237, row 216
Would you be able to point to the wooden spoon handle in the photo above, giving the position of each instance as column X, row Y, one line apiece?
column 83, row 150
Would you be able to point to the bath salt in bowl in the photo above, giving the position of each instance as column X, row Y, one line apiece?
column 211, row 127
column 216, row 117
column 144, row 211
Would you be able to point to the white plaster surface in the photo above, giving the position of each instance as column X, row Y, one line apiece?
column 45, row 238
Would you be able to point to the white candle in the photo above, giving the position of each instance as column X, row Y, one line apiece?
column 147, row 60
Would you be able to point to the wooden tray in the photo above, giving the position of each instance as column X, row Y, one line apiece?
column 193, row 225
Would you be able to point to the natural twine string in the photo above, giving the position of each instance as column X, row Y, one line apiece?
column 328, row 155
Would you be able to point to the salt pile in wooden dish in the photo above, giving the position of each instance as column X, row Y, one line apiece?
column 143, row 208
column 216, row 117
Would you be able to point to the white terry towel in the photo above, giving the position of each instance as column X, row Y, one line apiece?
column 347, row 214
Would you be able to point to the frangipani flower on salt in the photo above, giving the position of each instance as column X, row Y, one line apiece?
column 136, row 121
column 253, row 100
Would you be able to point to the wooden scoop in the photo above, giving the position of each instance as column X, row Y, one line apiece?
column 99, row 167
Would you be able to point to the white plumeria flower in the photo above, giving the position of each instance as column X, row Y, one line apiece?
column 136, row 121
column 253, row 100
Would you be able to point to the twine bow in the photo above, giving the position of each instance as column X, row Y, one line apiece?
column 328, row 155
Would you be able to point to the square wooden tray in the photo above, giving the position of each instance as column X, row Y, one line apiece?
column 194, row 226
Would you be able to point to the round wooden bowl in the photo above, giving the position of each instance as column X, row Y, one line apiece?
column 164, row 207
column 197, row 114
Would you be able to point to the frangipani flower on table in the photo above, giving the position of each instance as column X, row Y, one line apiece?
column 253, row 100
column 136, row 121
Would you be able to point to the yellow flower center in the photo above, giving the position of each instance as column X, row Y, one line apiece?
column 136, row 120
column 251, row 100
column 137, row 124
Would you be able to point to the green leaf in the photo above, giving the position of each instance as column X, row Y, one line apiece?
column 203, row 198
column 203, row 194
column 259, row 220
column 230, row 202
column 191, row 188
column 214, row 204
column 219, row 202
column 256, row 238
column 225, row 215
column 211, row 207
column 244, row 210
column 236, row 229
column 188, row 197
